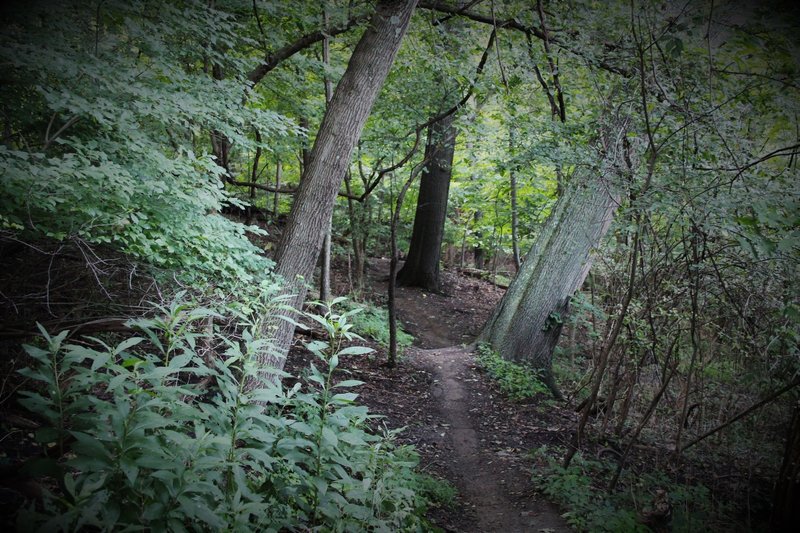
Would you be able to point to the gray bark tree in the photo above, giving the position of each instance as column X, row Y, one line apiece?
column 421, row 268
column 328, row 160
column 325, row 259
column 527, row 322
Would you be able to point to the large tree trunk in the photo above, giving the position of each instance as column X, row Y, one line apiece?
column 341, row 127
column 421, row 268
column 526, row 324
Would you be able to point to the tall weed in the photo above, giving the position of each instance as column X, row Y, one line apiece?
column 148, row 433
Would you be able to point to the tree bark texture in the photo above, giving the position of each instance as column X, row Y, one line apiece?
column 328, row 161
column 421, row 268
column 325, row 260
column 527, row 322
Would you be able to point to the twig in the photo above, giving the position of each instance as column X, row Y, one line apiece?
column 49, row 140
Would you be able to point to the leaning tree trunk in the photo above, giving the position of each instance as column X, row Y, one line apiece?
column 341, row 127
column 421, row 268
column 527, row 322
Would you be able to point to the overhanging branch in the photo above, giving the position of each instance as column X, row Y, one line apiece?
column 275, row 58
column 513, row 24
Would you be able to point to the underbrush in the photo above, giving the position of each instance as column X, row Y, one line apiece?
column 518, row 382
column 373, row 322
column 170, row 430
column 650, row 501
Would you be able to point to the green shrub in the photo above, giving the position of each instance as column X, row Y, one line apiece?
column 150, row 434
column 122, row 103
column 516, row 381
column 587, row 508
column 373, row 322
column 591, row 508
column 439, row 492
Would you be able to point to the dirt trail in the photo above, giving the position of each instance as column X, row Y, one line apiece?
column 495, row 485
column 463, row 428
column 483, row 483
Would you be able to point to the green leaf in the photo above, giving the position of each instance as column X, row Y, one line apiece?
column 127, row 344
column 329, row 437
column 349, row 383
column 356, row 350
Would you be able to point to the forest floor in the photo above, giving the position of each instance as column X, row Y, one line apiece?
column 464, row 429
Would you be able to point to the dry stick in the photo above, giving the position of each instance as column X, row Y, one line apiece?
column 260, row 186
column 260, row 27
column 49, row 140
column 645, row 419
column 553, row 69
column 92, row 326
column 451, row 15
column 254, row 173
column 497, row 50
column 276, row 198
column 694, row 293
column 354, row 233
column 514, row 24
column 769, row 399
column 271, row 61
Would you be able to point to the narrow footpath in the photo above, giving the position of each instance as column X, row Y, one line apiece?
column 490, row 469
column 463, row 428
column 492, row 486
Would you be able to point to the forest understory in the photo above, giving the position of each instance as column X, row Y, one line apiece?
column 497, row 491
column 492, row 448
column 400, row 265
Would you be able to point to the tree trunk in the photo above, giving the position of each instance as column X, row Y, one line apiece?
column 421, row 268
column 341, row 127
column 527, row 322
column 514, row 214
column 325, row 260
column 786, row 502
column 477, row 250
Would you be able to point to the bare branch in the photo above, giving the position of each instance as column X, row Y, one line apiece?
column 769, row 399
column 49, row 140
column 513, row 24
column 274, row 59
